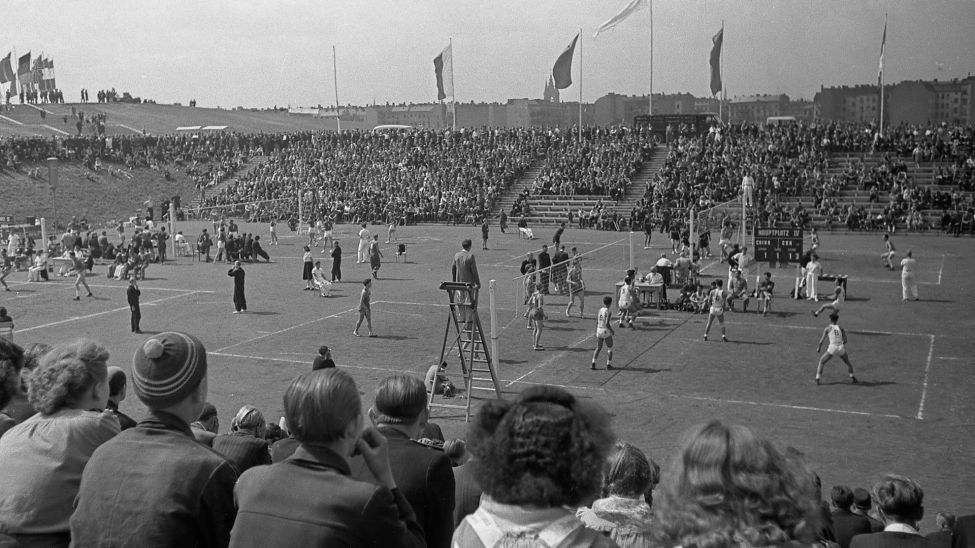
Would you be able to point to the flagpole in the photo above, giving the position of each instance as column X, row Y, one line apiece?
column 335, row 80
column 650, row 96
column 724, row 86
column 883, row 48
column 453, row 85
column 580, row 85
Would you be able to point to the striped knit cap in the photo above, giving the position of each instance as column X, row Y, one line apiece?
column 167, row 368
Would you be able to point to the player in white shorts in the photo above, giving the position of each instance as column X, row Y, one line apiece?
column 719, row 299
column 888, row 255
column 604, row 333
column 837, row 347
column 839, row 296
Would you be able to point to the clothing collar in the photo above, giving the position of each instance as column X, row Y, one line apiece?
column 392, row 432
column 524, row 516
column 321, row 455
column 161, row 419
column 901, row 528
column 111, row 406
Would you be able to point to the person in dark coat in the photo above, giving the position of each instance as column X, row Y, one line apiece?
column 544, row 261
column 323, row 360
column 117, row 384
column 154, row 485
column 283, row 504
column 846, row 524
column 259, row 251
column 900, row 501
column 467, row 493
column 245, row 446
column 132, row 294
column 964, row 532
column 240, row 301
column 423, row 473
column 336, row 262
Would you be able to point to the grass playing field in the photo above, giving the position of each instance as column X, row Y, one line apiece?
column 912, row 412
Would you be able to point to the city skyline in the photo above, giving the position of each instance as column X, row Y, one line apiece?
column 258, row 55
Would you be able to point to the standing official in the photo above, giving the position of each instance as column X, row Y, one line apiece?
column 336, row 262
column 240, row 302
column 464, row 270
column 908, row 280
column 132, row 294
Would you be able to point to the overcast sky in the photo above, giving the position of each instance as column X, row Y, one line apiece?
column 257, row 54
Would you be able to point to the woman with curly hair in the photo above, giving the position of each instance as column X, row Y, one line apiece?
column 44, row 456
column 730, row 489
column 535, row 458
column 623, row 513
column 11, row 363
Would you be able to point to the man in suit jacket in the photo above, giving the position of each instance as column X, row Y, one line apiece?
column 861, row 507
column 467, row 493
column 464, row 270
column 964, row 532
column 846, row 524
column 901, row 503
column 422, row 473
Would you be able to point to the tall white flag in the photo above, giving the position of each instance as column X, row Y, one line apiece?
column 628, row 10
column 443, row 67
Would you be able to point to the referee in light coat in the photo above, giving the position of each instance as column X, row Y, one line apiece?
column 464, row 270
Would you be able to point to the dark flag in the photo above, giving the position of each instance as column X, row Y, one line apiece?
column 716, row 62
column 562, row 71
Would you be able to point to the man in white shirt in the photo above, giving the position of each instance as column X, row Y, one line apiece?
column 747, row 190
column 908, row 281
column 364, row 238
column 744, row 261
column 604, row 333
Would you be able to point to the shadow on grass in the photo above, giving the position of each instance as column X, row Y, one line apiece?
column 395, row 337
column 263, row 313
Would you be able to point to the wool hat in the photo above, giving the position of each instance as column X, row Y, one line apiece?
column 167, row 368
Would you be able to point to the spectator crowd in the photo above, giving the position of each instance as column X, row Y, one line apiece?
column 542, row 469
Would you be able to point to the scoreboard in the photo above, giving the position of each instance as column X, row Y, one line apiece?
column 778, row 245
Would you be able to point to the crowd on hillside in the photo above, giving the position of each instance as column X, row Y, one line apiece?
column 371, row 176
column 542, row 468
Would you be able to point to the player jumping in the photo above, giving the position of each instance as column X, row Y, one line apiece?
column 838, row 297
column 837, row 347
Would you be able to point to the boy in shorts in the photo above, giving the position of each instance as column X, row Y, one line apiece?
column 719, row 299
column 837, row 347
column 765, row 287
column 604, row 333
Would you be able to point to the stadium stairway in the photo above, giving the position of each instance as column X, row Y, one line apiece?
column 638, row 184
column 510, row 196
column 252, row 162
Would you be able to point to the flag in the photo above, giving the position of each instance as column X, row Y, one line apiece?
column 23, row 64
column 443, row 67
column 6, row 70
column 883, row 46
column 716, row 61
column 562, row 71
column 628, row 10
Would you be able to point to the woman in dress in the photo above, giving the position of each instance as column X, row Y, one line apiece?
column 365, row 308
column 375, row 256
column 307, row 267
column 44, row 456
column 538, row 456
column 623, row 513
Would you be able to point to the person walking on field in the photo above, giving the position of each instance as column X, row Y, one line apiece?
column 78, row 269
column 604, row 333
column 908, row 281
column 240, row 302
column 837, row 347
column 375, row 256
column 365, row 308
column 577, row 288
column 888, row 255
column 274, row 233
column 5, row 267
column 484, row 233
column 336, row 262
column 132, row 294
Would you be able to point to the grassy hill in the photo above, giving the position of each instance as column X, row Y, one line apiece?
column 156, row 119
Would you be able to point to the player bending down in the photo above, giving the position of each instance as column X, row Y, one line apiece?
column 837, row 347
column 837, row 300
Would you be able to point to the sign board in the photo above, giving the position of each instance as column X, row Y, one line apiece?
column 778, row 245
column 6, row 219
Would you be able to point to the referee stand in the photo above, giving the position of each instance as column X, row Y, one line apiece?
column 465, row 333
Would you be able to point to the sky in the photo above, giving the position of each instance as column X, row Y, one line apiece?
column 250, row 53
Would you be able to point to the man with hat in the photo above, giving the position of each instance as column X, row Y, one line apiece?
column 846, row 524
column 423, row 474
column 154, row 485
column 861, row 506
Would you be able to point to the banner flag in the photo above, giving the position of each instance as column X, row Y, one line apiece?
column 6, row 70
column 562, row 71
column 23, row 64
column 628, row 10
column 883, row 46
column 443, row 67
column 716, row 62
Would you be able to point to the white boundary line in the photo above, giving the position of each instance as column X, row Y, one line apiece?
column 104, row 312
column 942, row 269
column 814, row 328
column 122, row 285
column 278, row 332
column 786, row 406
column 549, row 360
column 924, row 389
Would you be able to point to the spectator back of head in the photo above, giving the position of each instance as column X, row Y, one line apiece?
column 400, row 399
column 168, row 368
column 319, row 405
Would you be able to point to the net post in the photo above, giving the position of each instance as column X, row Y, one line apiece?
column 692, row 236
column 494, row 326
column 631, row 250
column 798, row 281
column 44, row 234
